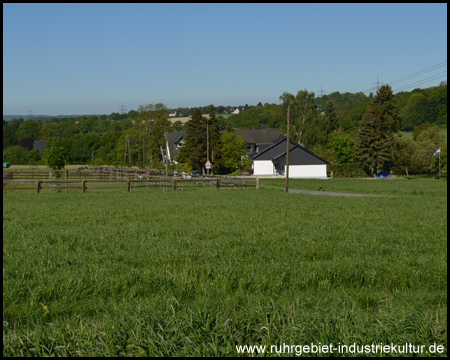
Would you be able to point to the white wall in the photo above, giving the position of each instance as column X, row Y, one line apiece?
column 308, row 171
column 263, row 167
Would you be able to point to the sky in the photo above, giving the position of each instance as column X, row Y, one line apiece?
column 67, row 59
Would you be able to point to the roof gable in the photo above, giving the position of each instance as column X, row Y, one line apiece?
column 298, row 155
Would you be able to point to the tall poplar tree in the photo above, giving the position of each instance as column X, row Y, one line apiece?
column 302, row 116
column 151, row 123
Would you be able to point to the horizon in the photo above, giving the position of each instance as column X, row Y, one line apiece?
column 233, row 106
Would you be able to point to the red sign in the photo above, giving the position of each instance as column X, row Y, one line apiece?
column 208, row 163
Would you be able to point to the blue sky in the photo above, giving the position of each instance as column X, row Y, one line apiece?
column 63, row 59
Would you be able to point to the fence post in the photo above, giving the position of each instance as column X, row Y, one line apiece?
column 257, row 182
column 174, row 184
column 67, row 178
column 217, row 183
column 129, row 185
column 39, row 186
column 84, row 185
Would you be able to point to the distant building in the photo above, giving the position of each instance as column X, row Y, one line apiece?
column 236, row 111
column 173, row 113
column 40, row 144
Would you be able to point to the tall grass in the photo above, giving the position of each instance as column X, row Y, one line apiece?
column 201, row 271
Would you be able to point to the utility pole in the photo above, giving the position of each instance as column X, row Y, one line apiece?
column 127, row 147
column 287, row 153
column 207, row 146
column 143, row 150
column 165, row 138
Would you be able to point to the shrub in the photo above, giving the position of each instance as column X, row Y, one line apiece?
column 349, row 170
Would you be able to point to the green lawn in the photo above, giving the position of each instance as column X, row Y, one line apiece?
column 201, row 271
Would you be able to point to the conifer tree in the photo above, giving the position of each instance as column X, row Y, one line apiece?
column 376, row 142
column 372, row 145
column 194, row 151
column 214, row 139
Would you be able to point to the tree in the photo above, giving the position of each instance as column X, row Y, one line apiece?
column 421, row 159
column 27, row 143
column 433, row 133
column 85, row 125
column 125, row 124
column 376, row 143
column 343, row 146
column 151, row 124
column 108, row 151
column 55, row 157
column 214, row 136
column 178, row 126
column 332, row 116
column 234, row 152
column 372, row 145
column 10, row 133
column 418, row 129
column 34, row 156
column 29, row 128
column 69, row 131
column 415, row 111
column 16, row 155
column 82, row 146
column 194, row 151
column 49, row 130
column 302, row 114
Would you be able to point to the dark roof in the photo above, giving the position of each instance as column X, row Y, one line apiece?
column 259, row 137
column 298, row 155
column 274, row 150
column 40, row 145
column 173, row 138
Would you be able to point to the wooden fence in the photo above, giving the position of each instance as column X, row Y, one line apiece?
column 173, row 183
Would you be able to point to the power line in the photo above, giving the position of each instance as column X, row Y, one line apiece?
column 432, row 68
column 408, row 77
column 423, row 81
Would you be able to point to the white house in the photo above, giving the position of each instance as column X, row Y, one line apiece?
column 303, row 163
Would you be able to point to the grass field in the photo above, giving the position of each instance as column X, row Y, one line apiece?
column 407, row 135
column 202, row 271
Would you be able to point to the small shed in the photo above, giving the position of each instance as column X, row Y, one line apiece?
column 303, row 163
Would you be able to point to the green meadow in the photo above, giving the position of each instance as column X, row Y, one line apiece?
column 201, row 271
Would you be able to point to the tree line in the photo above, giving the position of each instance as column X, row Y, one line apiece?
column 341, row 128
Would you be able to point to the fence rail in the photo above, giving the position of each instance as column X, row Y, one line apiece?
column 174, row 183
